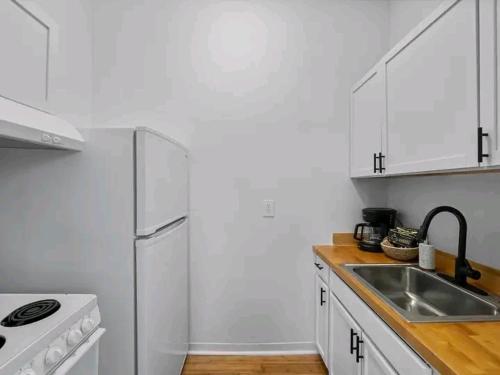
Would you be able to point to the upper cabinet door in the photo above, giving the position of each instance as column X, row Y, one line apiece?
column 27, row 37
column 367, row 121
column 489, row 74
column 432, row 93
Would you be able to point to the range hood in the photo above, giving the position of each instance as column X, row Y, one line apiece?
column 25, row 127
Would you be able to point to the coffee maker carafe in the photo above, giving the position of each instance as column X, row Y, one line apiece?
column 372, row 232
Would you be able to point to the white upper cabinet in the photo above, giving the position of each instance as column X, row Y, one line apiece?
column 422, row 107
column 489, row 73
column 368, row 124
column 432, row 93
column 27, row 37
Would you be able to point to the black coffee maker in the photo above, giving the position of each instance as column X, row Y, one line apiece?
column 372, row 232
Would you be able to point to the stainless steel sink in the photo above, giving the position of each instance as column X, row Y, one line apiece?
column 421, row 296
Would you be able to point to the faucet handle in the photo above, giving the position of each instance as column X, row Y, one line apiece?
column 472, row 273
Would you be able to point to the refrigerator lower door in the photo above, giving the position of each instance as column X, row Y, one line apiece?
column 161, row 181
column 162, row 301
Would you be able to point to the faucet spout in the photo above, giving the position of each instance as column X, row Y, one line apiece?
column 462, row 236
column 462, row 267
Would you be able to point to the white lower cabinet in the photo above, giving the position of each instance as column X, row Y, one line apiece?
column 322, row 295
column 353, row 340
column 374, row 363
column 351, row 351
column 345, row 340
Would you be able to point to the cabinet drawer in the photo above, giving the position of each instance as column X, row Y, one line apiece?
column 322, row 269
column 398, row 353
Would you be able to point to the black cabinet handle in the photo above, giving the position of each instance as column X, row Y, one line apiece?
column 381, row 167
column 352, row 340
column 358, row 348
column 319, row 266
column 378, row 158
column 480, row 154
column 321, row 300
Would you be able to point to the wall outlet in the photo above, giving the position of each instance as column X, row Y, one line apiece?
column 268, row 208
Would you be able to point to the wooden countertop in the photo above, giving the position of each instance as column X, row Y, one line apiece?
column 451, row 348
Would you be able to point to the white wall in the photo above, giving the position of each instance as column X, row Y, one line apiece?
column 406, row 14
column 477, row 196
column 259, row 92
column 136, row 65
column 71, row 73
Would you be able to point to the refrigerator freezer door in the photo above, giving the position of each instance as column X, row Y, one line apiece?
column 161, row 181
column 162, row 301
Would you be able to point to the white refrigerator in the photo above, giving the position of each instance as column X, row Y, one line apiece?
column 111, row 220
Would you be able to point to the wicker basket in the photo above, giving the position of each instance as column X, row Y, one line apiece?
column 404, row 237
column 399, row 253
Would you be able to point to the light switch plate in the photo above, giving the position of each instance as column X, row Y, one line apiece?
column 268, row 208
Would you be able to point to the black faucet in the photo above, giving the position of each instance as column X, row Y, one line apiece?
column 462, row 267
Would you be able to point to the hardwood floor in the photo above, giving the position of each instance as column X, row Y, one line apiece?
column 251, row 365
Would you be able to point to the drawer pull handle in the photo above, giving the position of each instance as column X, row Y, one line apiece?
column 480, row 153
column 319, row 266
column 352, row 340
column 358, row 349
column 321, row 300
column 381, row 168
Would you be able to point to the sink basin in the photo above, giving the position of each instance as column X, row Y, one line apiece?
column 421, row 296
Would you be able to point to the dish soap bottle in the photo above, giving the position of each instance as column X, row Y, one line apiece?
column 426, row 256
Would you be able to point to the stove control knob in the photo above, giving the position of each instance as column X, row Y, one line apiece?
column 74, row 337
column 88, row 325
column 27, row 372
column 54, row 355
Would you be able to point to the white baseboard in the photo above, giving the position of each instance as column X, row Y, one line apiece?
column 285, row 348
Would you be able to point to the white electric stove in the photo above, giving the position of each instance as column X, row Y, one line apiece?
column 49, row 334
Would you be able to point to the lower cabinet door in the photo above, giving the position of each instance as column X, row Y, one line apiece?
column 374, row 362
column 345, row 343
column 322, row 295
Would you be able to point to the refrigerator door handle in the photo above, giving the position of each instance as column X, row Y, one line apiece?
column 160, row 233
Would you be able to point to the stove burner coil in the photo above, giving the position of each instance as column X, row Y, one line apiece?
column 2, row 341
column 31, row 313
